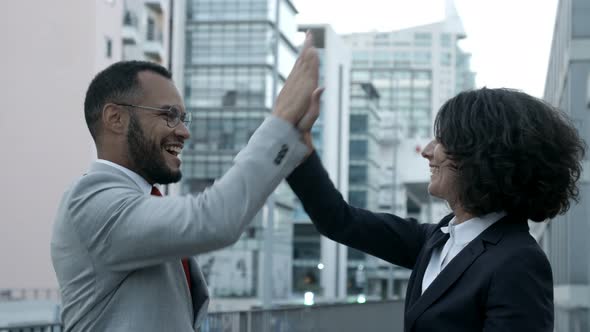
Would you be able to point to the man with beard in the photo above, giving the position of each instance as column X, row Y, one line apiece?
column 121, row 253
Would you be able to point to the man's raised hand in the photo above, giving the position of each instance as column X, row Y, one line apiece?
column 294, row 100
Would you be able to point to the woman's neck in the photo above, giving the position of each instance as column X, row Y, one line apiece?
column 461, row 215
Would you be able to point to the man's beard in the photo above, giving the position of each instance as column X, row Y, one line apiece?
column 148, row 158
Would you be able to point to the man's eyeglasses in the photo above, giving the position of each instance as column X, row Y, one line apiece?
column 173, row 114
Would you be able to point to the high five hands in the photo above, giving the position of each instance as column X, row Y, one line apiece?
column 299, row 100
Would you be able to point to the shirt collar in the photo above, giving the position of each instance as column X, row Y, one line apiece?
column 140, row 181
column 468, row 230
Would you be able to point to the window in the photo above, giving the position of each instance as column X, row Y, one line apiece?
column 109, row 47
column 358, row 124
column 382, row 56
column 358, row 149
column 306, row 256
column 422, row 39
column 306, row 249
column 401, row 56
column 360, row 76
column 356, row 278
column 129, row 19
column 358, row 198
column 381, row 39
column 445, row 40
column 306, row 279
column 360, row 58
column 445, row 59
column 356, row 254
column 358, row 175
column 151, row 29
column 422, row 58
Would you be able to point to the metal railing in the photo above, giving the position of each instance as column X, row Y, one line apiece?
column 386, row 316
column 373, row 316
column 48, row 327
column 19, row 294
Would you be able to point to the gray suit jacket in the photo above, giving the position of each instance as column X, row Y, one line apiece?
column 116, row 251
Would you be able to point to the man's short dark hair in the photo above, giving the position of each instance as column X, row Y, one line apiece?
column 117, row 82
column 514, row 153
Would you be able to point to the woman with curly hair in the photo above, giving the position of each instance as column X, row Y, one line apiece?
column 499, row 158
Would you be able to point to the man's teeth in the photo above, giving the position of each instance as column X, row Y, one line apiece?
column 174, row 149
column 434, row 169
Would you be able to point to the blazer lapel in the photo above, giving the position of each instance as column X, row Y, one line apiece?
column 414, row 289
column 416, row 286
column 199, row 293
column 445, row 279
column 456, row 267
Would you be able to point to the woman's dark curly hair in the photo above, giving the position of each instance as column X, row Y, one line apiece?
column 513, row 152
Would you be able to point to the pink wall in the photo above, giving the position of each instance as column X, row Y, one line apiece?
column 50, row 51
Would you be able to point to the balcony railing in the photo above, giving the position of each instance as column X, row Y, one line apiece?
column 155, row 5
column 130, row 31
column 48, row 327
column 386, row 316
column 20, row 294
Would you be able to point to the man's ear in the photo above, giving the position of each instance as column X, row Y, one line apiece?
column 114, row 118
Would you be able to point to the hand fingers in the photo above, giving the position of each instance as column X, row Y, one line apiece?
column 308, row 43
column 293, row 102
column 315, row 99
column 313, row 111
column 305, row 50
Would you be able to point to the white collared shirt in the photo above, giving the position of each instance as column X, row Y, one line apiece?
column 141, row 182
column 459, row 237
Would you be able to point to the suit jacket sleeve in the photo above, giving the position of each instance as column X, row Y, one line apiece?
column 125, row 229
column 520, row 295
column 383, row 235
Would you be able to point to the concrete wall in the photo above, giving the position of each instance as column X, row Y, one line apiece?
column 51, row 50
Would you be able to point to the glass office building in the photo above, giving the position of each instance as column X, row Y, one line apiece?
column 565, row 238
column 413, row 72
column 319, row 264
column 237, row 56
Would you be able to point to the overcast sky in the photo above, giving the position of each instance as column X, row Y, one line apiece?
column 510, row 39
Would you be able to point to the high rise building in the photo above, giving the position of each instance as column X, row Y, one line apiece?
column 413, row 71
column 237, row 55
column 566, row 237
column 363, row 176
column 319, row 264
column 146, row 30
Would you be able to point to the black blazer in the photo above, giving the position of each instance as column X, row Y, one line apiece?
column 501, row 281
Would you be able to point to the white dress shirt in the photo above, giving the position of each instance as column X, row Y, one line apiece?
column 460, row 236
column 141, row 182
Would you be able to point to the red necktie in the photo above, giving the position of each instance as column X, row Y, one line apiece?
column 185, row 266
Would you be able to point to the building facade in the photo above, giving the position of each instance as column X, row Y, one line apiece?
column 566, row 237
column 363, row 175
column 319, row 264
column 49, row 65
column 146, row 30
column 236, row 57
column 414, row 71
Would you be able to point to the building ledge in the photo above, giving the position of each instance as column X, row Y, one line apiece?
column 155, row 5
column 130, row 34
column 572, row 296
column 154, row 49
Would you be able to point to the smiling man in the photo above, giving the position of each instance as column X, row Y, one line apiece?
column 121, row 252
